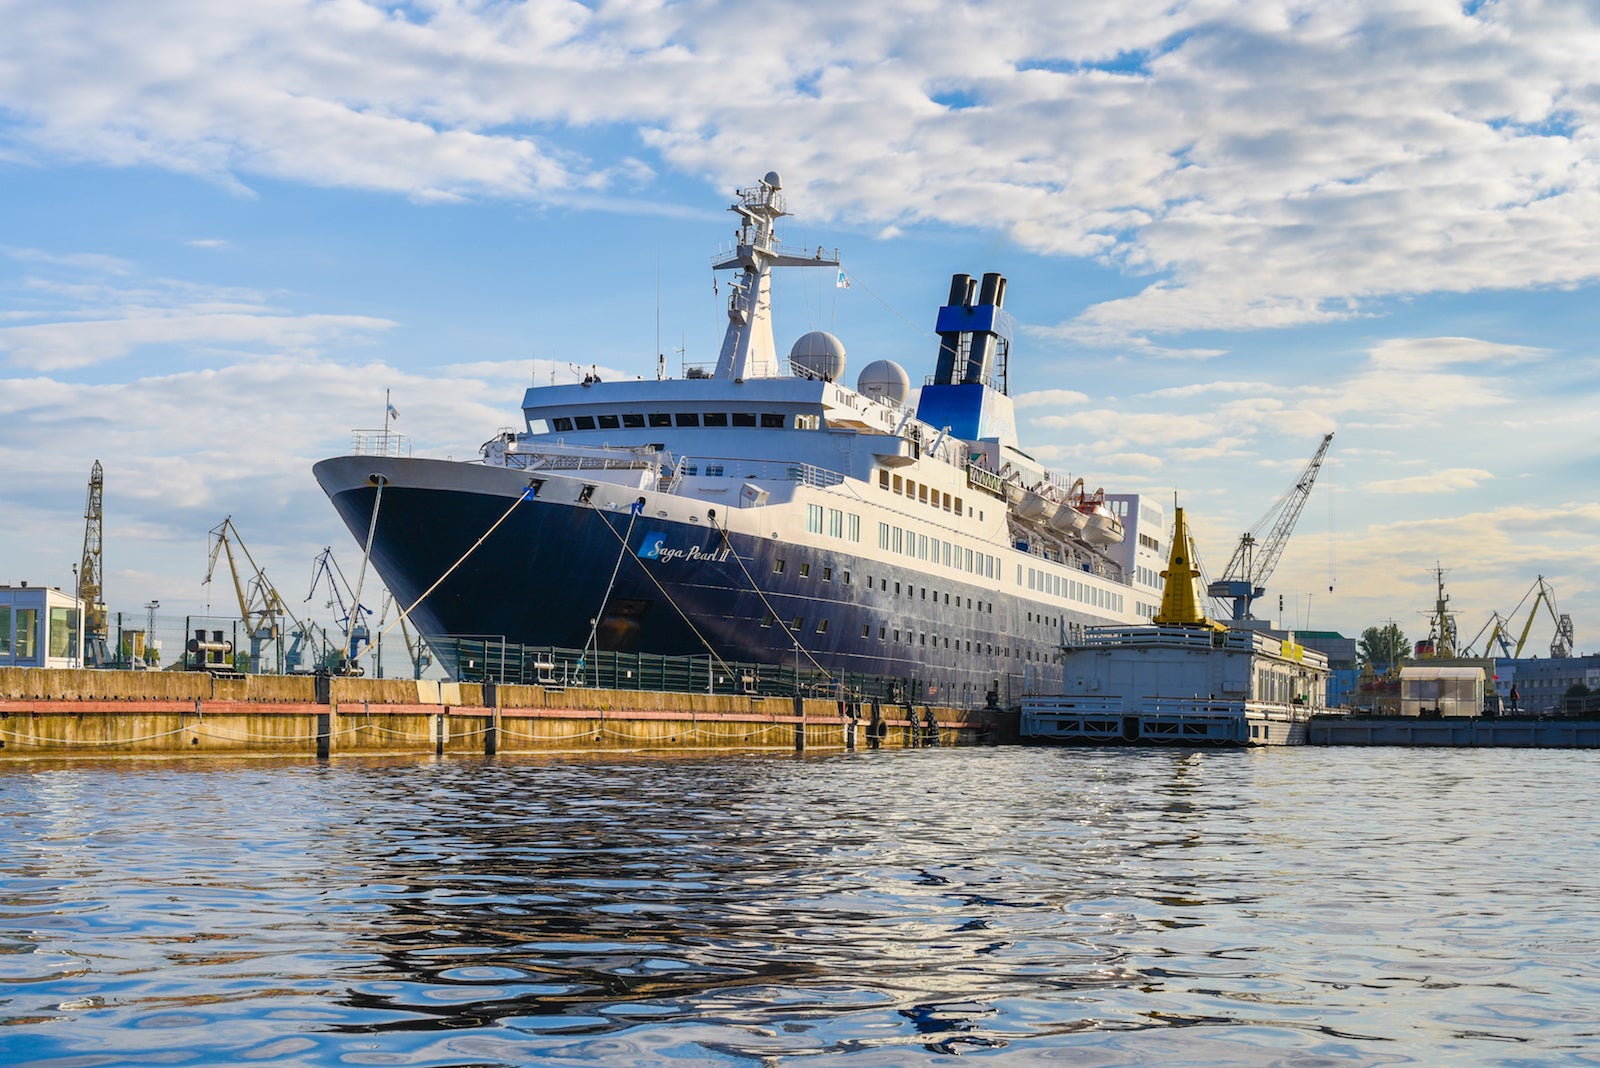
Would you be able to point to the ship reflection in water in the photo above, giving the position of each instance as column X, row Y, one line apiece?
column 1119, row 907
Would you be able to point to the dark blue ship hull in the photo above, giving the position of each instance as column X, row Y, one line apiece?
column 541, row 578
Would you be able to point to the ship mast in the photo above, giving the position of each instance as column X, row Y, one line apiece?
column 747, row 348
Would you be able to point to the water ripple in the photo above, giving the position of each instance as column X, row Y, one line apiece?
column 1301, row 907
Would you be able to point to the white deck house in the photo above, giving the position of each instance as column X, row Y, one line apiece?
column 1436, row 690
column 40, row 627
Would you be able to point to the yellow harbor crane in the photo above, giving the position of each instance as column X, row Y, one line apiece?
column 260, row 606
column 1499, row 628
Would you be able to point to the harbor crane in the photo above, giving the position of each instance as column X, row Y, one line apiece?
column 352, row 616
column 91, row 575
column 1256, row 557
column 260, row 606
column 1542, row 594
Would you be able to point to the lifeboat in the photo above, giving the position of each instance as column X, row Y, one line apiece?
column 1037, row 507
column 1068, row 520
column 1101, row 527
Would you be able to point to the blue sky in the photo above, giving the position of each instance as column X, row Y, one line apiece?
column 1228, row 228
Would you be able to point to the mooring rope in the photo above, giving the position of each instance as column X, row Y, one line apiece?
column 675, row 607
column 361, row 576
column 526, row 494
column 793, row 637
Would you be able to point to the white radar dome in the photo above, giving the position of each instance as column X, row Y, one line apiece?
column 773, row 180
column 884, row 380
column 819, row 354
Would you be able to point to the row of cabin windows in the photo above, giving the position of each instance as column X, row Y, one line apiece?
column 918, row 491
column 905, row 542
column 1068, row 588
column 911, row 591
column 841, row 524
column 805, row 572
column 640, row 420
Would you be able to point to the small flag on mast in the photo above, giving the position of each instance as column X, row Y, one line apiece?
column 392, row 413
column 843, row 282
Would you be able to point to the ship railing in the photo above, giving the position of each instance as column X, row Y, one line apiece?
column 753, row 470
column 493, row 659
column 567, row 461
column 1144, row 636
column 379, row 443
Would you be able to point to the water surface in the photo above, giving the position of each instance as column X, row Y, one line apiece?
column 1025, row 906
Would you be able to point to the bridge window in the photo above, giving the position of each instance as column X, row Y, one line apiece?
column 660, row 419
column 715, row 419
column 560, row 423
column 609, row 422
column 633, row 420
column 687, row 419
column 744, row 418
column 772, row 420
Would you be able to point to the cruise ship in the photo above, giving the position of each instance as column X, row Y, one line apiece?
column 765, row 511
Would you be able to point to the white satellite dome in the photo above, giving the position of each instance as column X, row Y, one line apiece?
column 819, row 354
column 884, row 380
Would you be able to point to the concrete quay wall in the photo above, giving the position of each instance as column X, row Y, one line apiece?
column 1462, row 732
column 75, row 713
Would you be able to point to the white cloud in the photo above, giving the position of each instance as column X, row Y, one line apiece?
column 64, row 345
column 1446, row 481
column 1261, row 167
column 1054, row 398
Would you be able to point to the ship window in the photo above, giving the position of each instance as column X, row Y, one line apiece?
column 714, row 470
column 715, row 419
column 897, row 634
column 584, row 422
column 822, row 626
column 947, row 502
column 691, row 469
column 807, row 422
column 766, row 620
column 853, row 527
column 687, row 419
column 632, row 420
column 880, row 633
column 897, row 589
column 797, row 623
column 835, row 523
column 827, row 574
column 744, row 419
column 772, row 420
column 660, row 419
column 560, row 423
column 958, row 506
column 813, row 519
column 777, row 567
column 883, row 478
column 609, row 422
column 805, row 570
column 922, row 494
